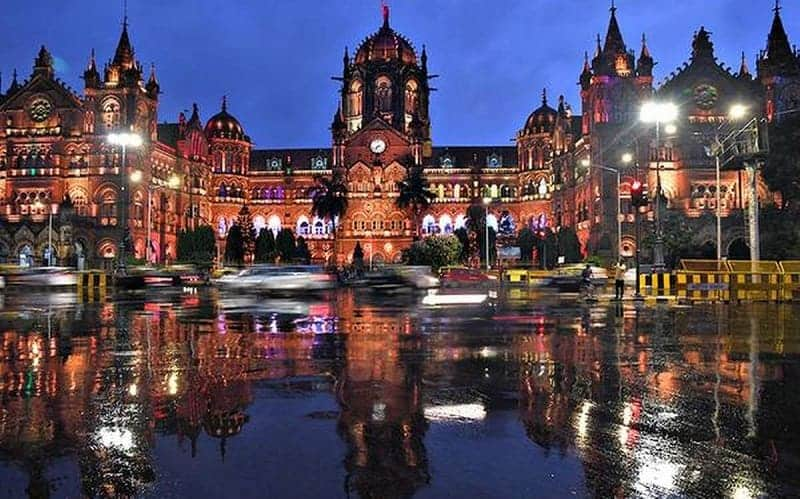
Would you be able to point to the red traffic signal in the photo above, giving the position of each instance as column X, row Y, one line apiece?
column 638, row 197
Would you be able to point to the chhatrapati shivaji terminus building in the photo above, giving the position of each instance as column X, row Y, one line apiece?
column 55, row 157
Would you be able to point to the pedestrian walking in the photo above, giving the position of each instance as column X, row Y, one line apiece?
column 619, row 280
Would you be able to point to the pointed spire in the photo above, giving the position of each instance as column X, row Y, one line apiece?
column 92, row 61
column 152, row 87
column 702, row 47
column 123, row 56
column 424, row 58
column 44, row 63
column 91, row 77
column 744, row 70
column 385, row 11
column 645, row 50
column 586, row 73
column 224, row 103
column 614, row 42
column 544, row 96
column 599, row 49
column 778, row 42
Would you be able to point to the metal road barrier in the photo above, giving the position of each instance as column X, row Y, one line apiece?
column 755, row 281
column 92, row 285
column 790, row 288
column 703, row 280
column 525, row 277
column 658, row 285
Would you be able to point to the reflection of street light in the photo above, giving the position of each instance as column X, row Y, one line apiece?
column 486, row 202
column 658, row 113
column 124, row 140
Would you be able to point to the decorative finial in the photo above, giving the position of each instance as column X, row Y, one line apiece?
column 777, row 8
column 613, row 8
column 385, row 11
column 124, row 14
column 544, row 96
column 224, row 103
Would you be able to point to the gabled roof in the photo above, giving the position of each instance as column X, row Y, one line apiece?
column 55, row 88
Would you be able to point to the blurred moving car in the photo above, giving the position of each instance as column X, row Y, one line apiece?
column 418, row 276
column 463, row 276
column 398, row 278
column 43, row 277
column 568, row 278
column 275, row 278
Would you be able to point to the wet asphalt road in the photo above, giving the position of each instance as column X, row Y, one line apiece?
column 173, row 394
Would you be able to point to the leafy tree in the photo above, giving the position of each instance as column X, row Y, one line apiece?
column 463, row 238
column 526, row 241
column 301, row 252
column 434, row 251
column 677, row 238
column 285, row 245
column 265, row 246
column 569, row 246
column 414, row 194
column 245, row 223
column 234, row 245
column 780, row 234
column 782, row 169
column 358, row 256
column 329, row 200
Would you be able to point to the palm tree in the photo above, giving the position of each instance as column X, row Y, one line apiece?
column 329, row 200
column 414, row 194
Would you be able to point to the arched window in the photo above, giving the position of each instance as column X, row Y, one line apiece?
column 446, row 224
column 274, row 224
column 319, row 227
column 354, row 98
column 303, row 227
column 493, row 192
column 429, row 225
column 383, row 94
column 461, row 221
column 543, row 188
column 456, row 191
column 222, row 227
column 259, row 223
column 223, row 191
column 491, row 220
column 108, row 207
column 111, row 114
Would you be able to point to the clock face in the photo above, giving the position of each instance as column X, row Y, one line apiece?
column 705, row 96
column 377, row 146
column 40, row 109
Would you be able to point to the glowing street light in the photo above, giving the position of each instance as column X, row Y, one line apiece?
column 627, row 158
column 737, row 112
column 659, row 113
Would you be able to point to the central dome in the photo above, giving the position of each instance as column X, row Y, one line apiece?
column 224, row 126
column 386, row 45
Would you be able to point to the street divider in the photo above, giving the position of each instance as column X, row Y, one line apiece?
column 755, row 281
column 525, row 277
column 92, row 285
column 657, row 285
column 791, row 280
column 703, row 280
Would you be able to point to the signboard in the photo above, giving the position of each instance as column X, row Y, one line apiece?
column 510, row 252
column 707, row 286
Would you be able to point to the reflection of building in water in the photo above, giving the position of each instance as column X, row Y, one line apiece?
column 379, row 392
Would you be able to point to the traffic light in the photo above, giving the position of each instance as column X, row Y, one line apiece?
column 638, row 196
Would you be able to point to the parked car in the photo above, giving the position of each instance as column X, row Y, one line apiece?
column 275, row 278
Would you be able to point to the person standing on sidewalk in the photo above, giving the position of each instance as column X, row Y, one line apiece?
column 619, row 280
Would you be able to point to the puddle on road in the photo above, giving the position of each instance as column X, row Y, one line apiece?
column 201, row 395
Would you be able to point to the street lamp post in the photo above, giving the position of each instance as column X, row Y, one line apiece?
column 658, row 113
column 486, row 203
column 124, row 140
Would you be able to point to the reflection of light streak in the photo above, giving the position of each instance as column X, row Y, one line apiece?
column 582, row 425
column 133, row 389
column 656, row 472
column 434, row 300
column 742, row 491
column 458, row 412
column 115, row 438
column 172, row 383
column 488, row 352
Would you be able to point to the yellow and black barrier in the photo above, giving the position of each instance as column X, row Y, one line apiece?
column 657, row 285
column 790, row 288
column 703, row 280
column 756, row 281
column 92, row 285
column 525, row 277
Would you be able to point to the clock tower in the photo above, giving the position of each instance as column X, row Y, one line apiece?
column 380, row 130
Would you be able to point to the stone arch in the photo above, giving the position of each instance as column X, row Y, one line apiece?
column 446, row 224
column 259, row 222
column 429, row 225
column 303, row 226
column 106, row 248
column 274, row 224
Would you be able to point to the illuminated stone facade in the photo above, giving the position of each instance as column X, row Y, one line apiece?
column 54, row 156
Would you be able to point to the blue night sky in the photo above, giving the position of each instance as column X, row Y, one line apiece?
column 274, row 58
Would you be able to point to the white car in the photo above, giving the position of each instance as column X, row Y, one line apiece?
column 276, row 278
